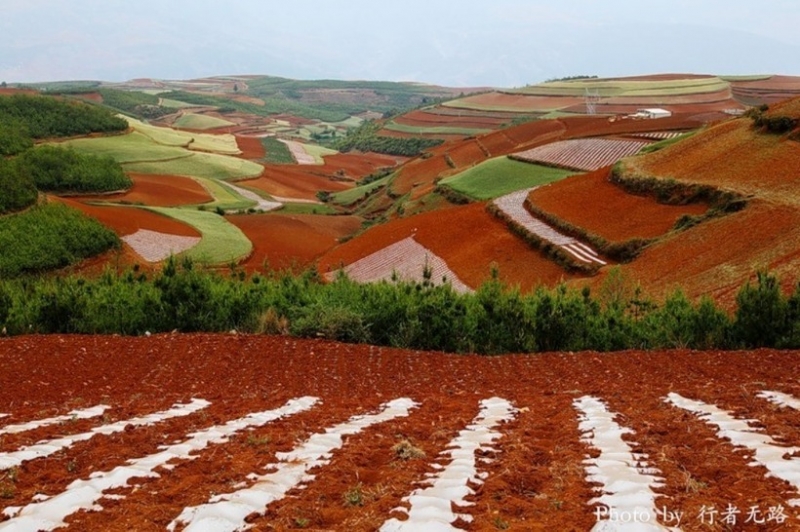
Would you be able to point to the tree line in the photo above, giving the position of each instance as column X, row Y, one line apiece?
column 413, row 315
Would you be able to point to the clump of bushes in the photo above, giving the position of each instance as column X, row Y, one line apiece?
column 49, row 236
column 46, row 116
column 495, row 319
column 17, row 189
column 56, row 169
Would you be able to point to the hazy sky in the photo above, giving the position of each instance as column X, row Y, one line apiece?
column 453, row 42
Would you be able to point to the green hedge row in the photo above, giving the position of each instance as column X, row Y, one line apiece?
column 493, row 320
column 47, row 117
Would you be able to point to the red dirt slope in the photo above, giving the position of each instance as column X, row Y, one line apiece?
column 592, row 202
column 159, row 191
column 536, row 477
column 291, row 240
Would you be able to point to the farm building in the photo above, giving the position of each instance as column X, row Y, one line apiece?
column 653, row 112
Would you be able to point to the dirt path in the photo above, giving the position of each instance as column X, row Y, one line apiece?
column 176, row 426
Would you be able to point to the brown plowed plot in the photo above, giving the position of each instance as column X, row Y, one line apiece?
column 419, row 172
column 771, row 90
column 718, row 256
column 498, row 143
column 732, row 155
column 291, row 240
column 536, row 132
column 291, row 181
column 519, row 103
column 582, row 154
column 127, row 220
column 159, row 191
column 192, row 421
column 468, row 239
column 467, row 154
column 592, row 202
column 358, row 165
column 425, row 119
column 251, row 147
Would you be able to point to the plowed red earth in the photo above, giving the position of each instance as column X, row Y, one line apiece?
column 592, row 202
column 291, row 240
column 294, row 181
column 159, row 191
column 535, row 481
column 468, row 238
column 251, row 147
column 128, row 220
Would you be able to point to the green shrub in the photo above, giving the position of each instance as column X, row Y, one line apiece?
column 47, row 117
column 56, row 169
column 17, row 189
column 48, row 237
column 761, row 314
column 14, row 138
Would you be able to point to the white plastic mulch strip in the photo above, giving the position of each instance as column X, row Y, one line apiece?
column 625, row 480
column 781, row 399
column 766, row 451
column 48, row 447
column 261, row 203
column 87, row 413
column 513, row 205
column 227, row 512
column 49, row 514
column 153, row 246
column 301, row 156
column 430, row 508
column 406, row 260
column 4, row 415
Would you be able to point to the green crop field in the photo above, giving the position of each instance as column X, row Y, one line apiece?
column 197, row 121
column 224, row 197
column 617, row 87
column 318, row 152
column 501, row 175
column 435, row 130
column 221, row 242
column 223, row 144
column 131, row 148
column 198, row 164
column 175, row 104
column 348, row 197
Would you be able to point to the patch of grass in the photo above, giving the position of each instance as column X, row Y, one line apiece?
column 220, row 243
column 501, row 175
column 131, row 148
column 353, row 496
column 222, row 144
column 225, row 198
column 348, row 197
column 405, row 450
column 318, row 152
column 277, row 151
column 199, row 121
column 208, row 165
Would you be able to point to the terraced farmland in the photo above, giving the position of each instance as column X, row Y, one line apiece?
column 384, row 439
column 582, row 154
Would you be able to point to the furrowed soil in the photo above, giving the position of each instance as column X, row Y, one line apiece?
column 536, row 478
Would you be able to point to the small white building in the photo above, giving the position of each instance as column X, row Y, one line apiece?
column 652, row 112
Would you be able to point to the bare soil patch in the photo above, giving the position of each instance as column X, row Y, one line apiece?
column 159, row 191
column 536, row 479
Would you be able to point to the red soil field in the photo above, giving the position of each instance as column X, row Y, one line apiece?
column 467, row 154
column 468, row 238
column 519, row 103
column 250, row 147
column 419, row 172
column 356, row 165
column 536, row 479
column 293, row 181
column 497, row 143
column 424, row 119
column 732, row 155
column 592, row 202
column 291, row 240
column 127, row 220
column 159, row 191
column 718, row 256
column 769, row 91
column 455, row 111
